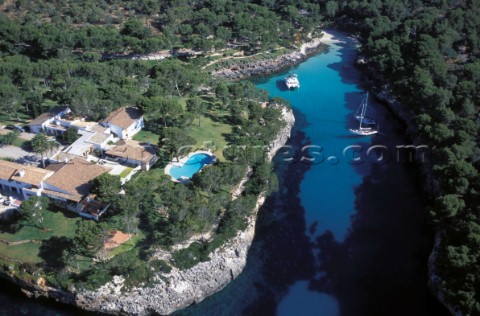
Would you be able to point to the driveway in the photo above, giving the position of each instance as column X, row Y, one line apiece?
column 14, row 152
column 19, row 155
column 24, row 136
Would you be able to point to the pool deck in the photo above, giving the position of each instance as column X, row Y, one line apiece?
column 181, row 161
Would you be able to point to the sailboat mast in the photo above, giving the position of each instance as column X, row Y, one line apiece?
column 364, row 110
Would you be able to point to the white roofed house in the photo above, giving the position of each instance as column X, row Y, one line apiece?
column 124, row 122
column 69, row 187
column 66, row 184
column 22, row 180
column 50, row 122
column 129, row 152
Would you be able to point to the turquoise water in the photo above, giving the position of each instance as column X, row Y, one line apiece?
column 341, row 237
column 325, row 100
column 329, row 90
column 338, row 238
column 191, row 166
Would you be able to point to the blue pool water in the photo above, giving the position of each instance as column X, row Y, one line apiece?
column 191, row 166
column 337, row 238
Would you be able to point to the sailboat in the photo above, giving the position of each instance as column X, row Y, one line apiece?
column 360, row 116
column 364, row 131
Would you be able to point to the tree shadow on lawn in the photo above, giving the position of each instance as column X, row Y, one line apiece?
column 9, row 228
column 217, row 116
column 52, row 249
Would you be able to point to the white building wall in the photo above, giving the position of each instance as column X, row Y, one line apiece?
column 117, row 130
column 128, row 132
column 36, row 129
column 135, row 127
column 15, row 187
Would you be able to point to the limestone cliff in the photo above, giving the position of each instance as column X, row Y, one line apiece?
column 430, row 185
column 270, row 65
column 181, row 288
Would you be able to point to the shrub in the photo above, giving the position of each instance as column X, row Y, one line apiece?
column 161, row 265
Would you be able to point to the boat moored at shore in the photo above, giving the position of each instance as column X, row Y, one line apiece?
column 291, row 81
column 360, row 116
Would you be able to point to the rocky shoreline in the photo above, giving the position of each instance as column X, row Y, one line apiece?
column 177, row 289
column 269, row 66
column 429, row 185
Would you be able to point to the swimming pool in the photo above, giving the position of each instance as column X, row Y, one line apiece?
column 193, row 164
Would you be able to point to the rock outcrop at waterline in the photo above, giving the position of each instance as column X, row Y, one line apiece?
column 181, row 288
column 268, row 66
column 430, row 185
column 177, row 289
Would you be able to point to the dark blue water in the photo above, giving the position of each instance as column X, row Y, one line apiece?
column 339, row 238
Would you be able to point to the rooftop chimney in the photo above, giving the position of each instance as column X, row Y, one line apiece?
column 21, row 173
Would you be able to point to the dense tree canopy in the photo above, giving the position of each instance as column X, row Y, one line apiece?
column 32, row 210
column 427, row 54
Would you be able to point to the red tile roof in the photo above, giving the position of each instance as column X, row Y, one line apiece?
column 123, row 117
column 75, row 177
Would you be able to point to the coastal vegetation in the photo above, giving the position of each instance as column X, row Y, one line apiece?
column 52, row 60
column 82, row 54
column 426, row 54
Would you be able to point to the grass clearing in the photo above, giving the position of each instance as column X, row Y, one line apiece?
column 19, row 142
column 126, row 246
column 56, row 224
column 28, row 253
column 17, row 119
column 126, row 172
column 146, row 136
column 83, row 262
column 210, row 134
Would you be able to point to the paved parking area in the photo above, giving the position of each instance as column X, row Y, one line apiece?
column 25, row 136
column 116, row 168
column 13, row 152
column 19, row 155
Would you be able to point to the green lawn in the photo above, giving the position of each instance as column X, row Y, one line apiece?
column 146, row 136
column 84, row 263
column 126, row 246
column 56, row 224
column 28, row 253
column 126, row 172
column 211, row 133
column 19, row 142
column 22, row 119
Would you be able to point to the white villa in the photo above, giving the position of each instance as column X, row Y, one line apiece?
column 51, row 122
column 67, row 180
column 23, row 180
column 95, row 137
column 124, row 122
column 67, row 185
column 129, row 152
